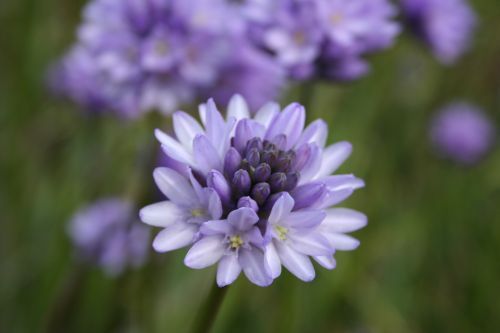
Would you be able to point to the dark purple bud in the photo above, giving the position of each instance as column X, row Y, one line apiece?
column 308, row 195
column 241, row 182
column 260, row 192
column 219, row 183
column 284, row 163
column 267, row 145
column 270, row 157
column 249, row 203
column 253, row 157
column 277, row 181
column 255, row 143
column 232, row 162
column 280, row 141
column 292, row 179
column 262, row 172
column 302, row 155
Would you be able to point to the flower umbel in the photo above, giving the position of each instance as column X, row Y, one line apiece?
column 263, row 184
column 107, row 233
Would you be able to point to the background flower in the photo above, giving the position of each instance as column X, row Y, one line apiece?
column 107, row 233
column 462, row 132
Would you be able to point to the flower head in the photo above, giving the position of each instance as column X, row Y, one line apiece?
column 445, row 25
column 270, row 186
column 462, row 132
column 107, row 233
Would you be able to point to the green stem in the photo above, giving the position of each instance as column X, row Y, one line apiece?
column 208, row 312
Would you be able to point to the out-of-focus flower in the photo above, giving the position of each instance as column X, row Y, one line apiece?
column 108, row 234
column 270, row 189
column 445, row 25
column 462, row 132
column 134, row 56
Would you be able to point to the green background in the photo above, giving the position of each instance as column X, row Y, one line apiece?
column 429, row 259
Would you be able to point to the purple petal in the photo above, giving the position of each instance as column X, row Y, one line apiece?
column 219, row 183
column 267, row 113
column 333, row 198
column 327, row 262
column 298, row 264
column 273, row 263
column 308, row 195
column 174, row 186
column 304, row 219
column 214, row 203
column 341, row 182
column 228, row 270
column 281, row 209
column 312, row 244
column 312, row 165
column 238, row 108
column 316, row 133
column 186, row 128
column 289, row 122
column 246, row 129
column 205, row 252
column 243, row 218
column 342, row 242
column 343, row 220
column 173, row 148
column 216, row 227
column 174, row 237
column 333, row 157
column 253, row 264
column 205, row 154
column 161, row 214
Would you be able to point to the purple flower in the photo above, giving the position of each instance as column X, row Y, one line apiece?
column 135, row 56
column 462, row 132
column 270, row 186
column 446, row 26
column 107, row 233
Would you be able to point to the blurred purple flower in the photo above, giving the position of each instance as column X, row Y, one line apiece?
column 252, row 194
column 445, row 25
column 108, row 234
column 462, row 132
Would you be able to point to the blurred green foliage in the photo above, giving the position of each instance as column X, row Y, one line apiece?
column 429, row 259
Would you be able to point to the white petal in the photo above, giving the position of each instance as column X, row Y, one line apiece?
column 253, row 264
column 205, row 252
column 343, row 220
column 267, row 113
column 273, row 263
column 174, row 237
column 282, row 207
column 186, row 128
column 174, row 186
column 333, row 157
column 161, row 214
column 173, row 148
column 228, row 270
column 327, row 262
column 298, row 264
column 238, row 108
column 342, row 242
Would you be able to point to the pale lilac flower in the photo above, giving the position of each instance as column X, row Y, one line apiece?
column 108, row 234
column 445, row 25
column 271, row 179
column 462, row 132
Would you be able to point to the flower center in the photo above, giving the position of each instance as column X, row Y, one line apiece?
column 336, row 18
column 235, row 242
column 266, row 169
column 161, row 48
column 281, row 232
column 197, row 212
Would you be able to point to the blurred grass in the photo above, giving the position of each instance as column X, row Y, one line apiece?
column 429, row 259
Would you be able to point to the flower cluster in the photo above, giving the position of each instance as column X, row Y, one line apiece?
column 462, row 132
column 445, row 25
column 136, row 55
column 108, row 234
column 253, row 194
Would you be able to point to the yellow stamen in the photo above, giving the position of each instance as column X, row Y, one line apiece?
column 235, row 242
column 281, row 231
